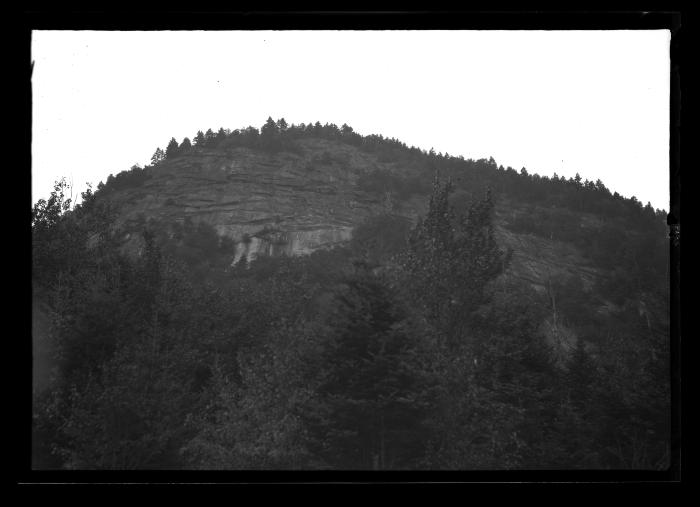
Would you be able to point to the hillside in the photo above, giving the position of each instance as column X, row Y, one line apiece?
column 564, row 276
column 296, row 202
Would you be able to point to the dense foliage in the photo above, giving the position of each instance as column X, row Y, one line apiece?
column 406, row 349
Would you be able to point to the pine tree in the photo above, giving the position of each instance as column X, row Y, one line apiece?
column 372, row 388
column 270, row 135
column 282, row 125
column 270, row 128
column 172, row 149
column 158, row 156
column 199, row 139
column 450, row 261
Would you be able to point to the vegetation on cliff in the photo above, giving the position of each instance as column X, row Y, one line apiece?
column 407, row 348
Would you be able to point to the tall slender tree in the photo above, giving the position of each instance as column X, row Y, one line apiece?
column 173, row 149
column 158, row 156
column 450, row 260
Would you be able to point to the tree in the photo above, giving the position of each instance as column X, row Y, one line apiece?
column 186, row 145
column 257, row 418
column 158, row 156
column 270, row 135
column 46, row 214
column 199, row 139
column 172, row 150
column 208, row 137
column 270, row 128
column 372, row 388
column 251, row 136
column 282, row 125
column 451, row 260
column 54, row 237
column 601, row 187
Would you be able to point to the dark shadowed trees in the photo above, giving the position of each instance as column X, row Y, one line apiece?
column 172, row 150
column 407, row 348
column 158, row 156
column 450, row 261
column 373, row 389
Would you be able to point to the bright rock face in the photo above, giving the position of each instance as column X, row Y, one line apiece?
column 270, row 204
column 291, row 243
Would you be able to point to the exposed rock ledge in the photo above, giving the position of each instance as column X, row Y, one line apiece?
column 291, row 243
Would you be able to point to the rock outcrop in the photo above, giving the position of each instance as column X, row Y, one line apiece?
column 281, row 203
column 288, row 203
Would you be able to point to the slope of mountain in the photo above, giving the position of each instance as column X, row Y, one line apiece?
column 282, row 203
column 312, row 197
column 257, row 266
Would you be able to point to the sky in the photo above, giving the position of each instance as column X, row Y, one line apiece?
column 592, row 102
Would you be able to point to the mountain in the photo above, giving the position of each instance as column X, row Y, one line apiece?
column 275, row 219
column 313, row 193
column 292, row 203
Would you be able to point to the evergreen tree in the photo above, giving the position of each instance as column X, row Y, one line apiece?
column 282, row 125
column 451, row 260
column 372, row 388
column 172, row 149
column 158, row 156
column 270, row 135
column 185, row 146
column 270, row 128
column 251, row 136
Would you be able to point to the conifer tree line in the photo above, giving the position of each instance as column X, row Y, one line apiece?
column 575, row 193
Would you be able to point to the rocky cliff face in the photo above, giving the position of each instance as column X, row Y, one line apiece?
column 294, row 242
column 294, row 203
column 271, row 204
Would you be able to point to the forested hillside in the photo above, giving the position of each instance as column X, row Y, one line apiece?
column 305, row 297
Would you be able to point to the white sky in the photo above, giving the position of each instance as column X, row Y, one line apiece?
column 593, row 102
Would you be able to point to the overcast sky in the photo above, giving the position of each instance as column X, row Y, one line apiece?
column 592, row 102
